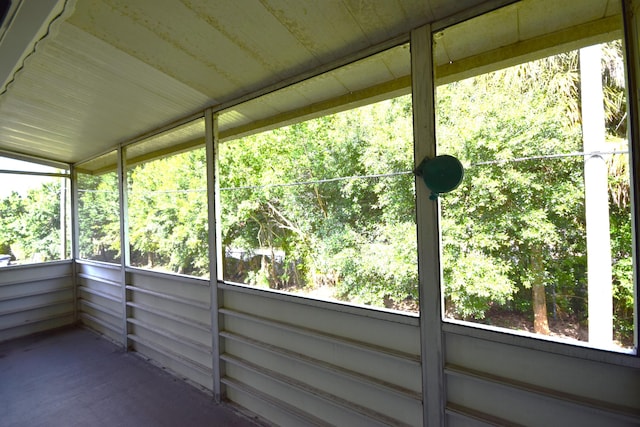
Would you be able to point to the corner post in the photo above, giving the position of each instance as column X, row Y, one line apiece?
column 124, row 243
column 215, row 255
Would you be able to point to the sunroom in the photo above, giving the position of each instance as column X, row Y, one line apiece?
column 353, row 213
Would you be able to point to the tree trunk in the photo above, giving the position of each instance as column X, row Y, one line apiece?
column 539, row 299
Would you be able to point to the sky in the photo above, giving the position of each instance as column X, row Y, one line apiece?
column 21, row 183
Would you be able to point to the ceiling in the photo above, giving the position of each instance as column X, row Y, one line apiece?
column 106, row 71
column 77, row 78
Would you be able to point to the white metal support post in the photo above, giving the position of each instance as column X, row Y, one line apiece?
column 215, row 256
column 63, row 218
column 427, row 214
column 75, row 238
column 631, row 13
column 124, row 243
column 596, row 199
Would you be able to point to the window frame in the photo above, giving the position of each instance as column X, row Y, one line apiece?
column 628, row 358
column 66, row 217
column 218, row 205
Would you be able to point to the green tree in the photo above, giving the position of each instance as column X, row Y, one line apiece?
column 30, row 224
column 168, row 213
column 514, row 231
column 320, row 193
column 42, row 223
column 510, row 220
column 99, row 217
column 12, row 208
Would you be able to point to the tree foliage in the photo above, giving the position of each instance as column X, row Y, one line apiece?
column 507, row 214
column 328, row 204
column 324, row 194
column 99, row 217
column 30, row 224
column 517, row 223
column 167, row 205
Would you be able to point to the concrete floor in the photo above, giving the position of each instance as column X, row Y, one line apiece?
column 73, row 377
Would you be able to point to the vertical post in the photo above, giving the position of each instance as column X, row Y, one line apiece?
column 124, row 243
column 63, row 218
column 631, row 14
column 75, row 218
column 427, row 215
column 596, row 194
column 75, row 238
column 215, row 258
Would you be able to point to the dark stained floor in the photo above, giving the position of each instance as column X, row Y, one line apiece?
column 73, row 377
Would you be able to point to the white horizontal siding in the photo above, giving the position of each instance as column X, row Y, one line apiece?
column 35, row 298
column 295, row 361
column 319, row 360
column 489, row 380
column 169, row 322
column 99, row 294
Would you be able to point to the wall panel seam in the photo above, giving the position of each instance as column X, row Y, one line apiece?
column 165, row 314
column 331, row 306
column 618, row 411
column 39, row 320
column 100, row 308
column 299, row 330
column 274, row 402
column 100, row 279
column 371, row 415
column 477, row 416
column 187, row 342
column 82, row 262
column 169, row 297
column 335, row 369
column 37, row 280
column 36, row 293
column 113, row 328
column 101, row 294
column 36, row 307
column 189, row 363
column 170, row 277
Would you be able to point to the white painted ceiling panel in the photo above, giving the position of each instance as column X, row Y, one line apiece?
column 168, row 38
column 313, row 96
column 277, row 51
column 373, row 71
column 189, row 135
column 85, row 95
column 398, row 60
column 442, row 8
column 323, row 86
column 109, row 71
column 372, row 17
column 499, row 28
column 565, row 14
column 106, row 162
column 278, row 102
column 520, row 32
column 320, row 29
column 20, row 29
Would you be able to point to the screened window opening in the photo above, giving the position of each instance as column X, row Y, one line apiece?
column 325, row 208
column 34, row 213
column 167, row 208
column 538, row 237
column 99, row 209
column 167, row 202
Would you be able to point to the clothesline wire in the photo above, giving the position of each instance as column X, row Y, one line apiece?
column 387, row 175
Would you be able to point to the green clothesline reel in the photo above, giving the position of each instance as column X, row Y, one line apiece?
column 441, row 174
